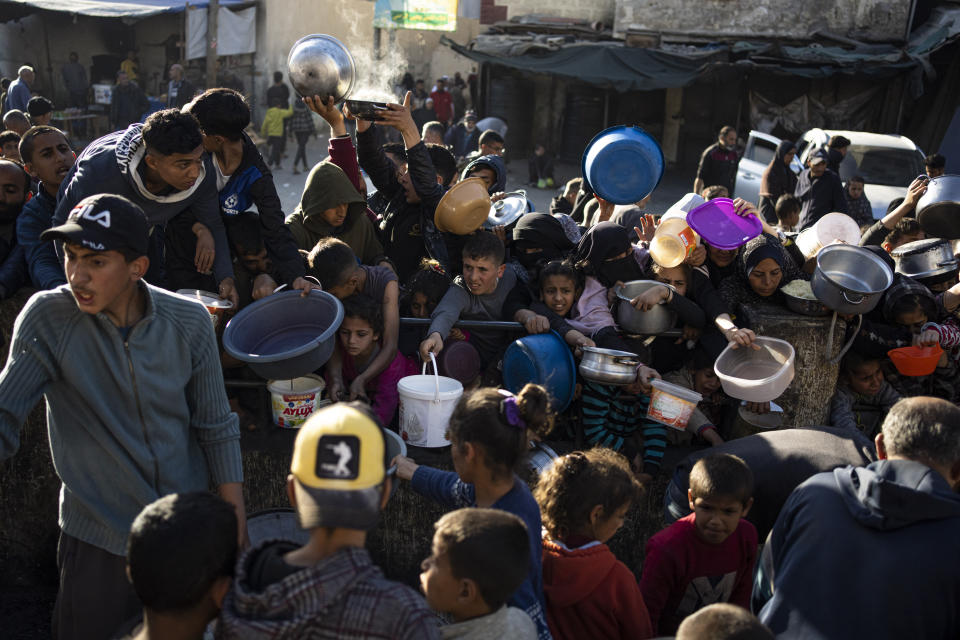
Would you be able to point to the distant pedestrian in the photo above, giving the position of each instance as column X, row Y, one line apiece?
column 131, row 66
column 858, row 206
column 18, row 95
column 778, row 179
column 272, row 130
column 836, row 152
column 819, row 190
column 718, row 163
column 128, row 102
column 75, row 79
column 301, row 123
column 180, row 91
column 443, row 103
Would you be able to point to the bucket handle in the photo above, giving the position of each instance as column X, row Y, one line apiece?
column 310, row 278
column 832, row 360
column 436, row 376
column 844, row 294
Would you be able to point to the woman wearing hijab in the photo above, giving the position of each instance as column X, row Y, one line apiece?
column 778, row 179
column 763, row 267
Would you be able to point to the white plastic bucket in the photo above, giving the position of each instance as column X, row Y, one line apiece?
column 426, row 403
column 671, row 404
column 833, row 227
column 293, row 401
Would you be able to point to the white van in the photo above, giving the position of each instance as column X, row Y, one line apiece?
column 887, row 163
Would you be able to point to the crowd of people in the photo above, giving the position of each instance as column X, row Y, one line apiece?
column 132, row 375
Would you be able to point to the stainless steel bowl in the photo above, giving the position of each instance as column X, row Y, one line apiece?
column 647, row 323
column 609, row 366
column 319, row 65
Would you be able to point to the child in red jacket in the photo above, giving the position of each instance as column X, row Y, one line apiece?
column 583, row 500
column 708, row 556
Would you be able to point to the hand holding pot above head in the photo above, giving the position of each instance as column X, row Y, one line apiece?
column 916, row 190
column 327, row 110
column 399, row 116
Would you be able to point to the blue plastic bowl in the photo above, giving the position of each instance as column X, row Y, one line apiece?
column 623, row 164
column 543, row 359
column 285, row 336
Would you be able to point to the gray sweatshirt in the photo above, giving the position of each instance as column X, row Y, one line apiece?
column 458, row 303
column 505, row 622
column 129, row 420
column 851, row 410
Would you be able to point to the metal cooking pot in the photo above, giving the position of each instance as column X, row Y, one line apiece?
column 319, row 65
column 925, row 258
column 609, row 366
column 938, row 211
column 632, row 320
column 508, row 210
column 850, row 279
column 805, row 306
column 541, row 457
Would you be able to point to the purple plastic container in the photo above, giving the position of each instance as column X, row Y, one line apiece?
column 719, row 225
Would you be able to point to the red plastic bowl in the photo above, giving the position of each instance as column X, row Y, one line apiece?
column 916, row 361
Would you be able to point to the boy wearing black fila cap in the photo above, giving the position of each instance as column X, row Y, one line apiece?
column 329, row 587
column 136, row 407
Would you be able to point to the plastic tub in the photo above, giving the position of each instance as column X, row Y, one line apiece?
column 623, row 164
column 543, row 359
column 293, row 401
column 426, row 403
column 718, row 223
column 671, row 404
column 833, row 227
column 756, row 375
column 916, row 361
column 285, row 335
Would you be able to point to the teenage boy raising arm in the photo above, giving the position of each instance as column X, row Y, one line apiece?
column 136, row 407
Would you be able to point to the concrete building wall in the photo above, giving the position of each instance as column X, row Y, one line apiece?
column 590, row 10
column 870, row 20
column 283, row 22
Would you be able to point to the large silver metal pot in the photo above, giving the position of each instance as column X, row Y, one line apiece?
column 319, row 65
column 609, row 366
column 925, row 258
column 938, row 211
column 850, row 279
column 648, row 323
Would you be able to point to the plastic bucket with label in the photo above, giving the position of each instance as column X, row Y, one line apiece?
column 426, row 403
column 293, row 401
column 671, row 404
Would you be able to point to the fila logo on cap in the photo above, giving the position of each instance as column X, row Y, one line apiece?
column 338, row 457
column 86, row 212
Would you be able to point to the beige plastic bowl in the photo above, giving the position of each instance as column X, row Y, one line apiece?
column 464, row 208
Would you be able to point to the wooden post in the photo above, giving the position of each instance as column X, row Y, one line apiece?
column 212, row 13
column 672, row 119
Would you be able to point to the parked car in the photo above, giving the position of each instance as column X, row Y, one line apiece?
column 887, row 163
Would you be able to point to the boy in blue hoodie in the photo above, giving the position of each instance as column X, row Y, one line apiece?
column 136, row 406
column 873, row 552
column 161, row 167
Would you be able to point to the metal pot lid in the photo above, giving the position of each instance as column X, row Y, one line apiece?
column 319, row 64
column 508, row 210
column 920, row 246
column 207, row 299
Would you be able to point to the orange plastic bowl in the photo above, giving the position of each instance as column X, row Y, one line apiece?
column 916, row 361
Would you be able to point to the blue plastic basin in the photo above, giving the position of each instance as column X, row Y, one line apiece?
column 543, row 359
column 285, row 335
column 623, row 164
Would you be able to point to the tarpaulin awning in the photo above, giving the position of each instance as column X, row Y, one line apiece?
column 131, row 9
column 610, row 66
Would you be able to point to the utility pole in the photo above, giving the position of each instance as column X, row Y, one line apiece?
column 212, row 13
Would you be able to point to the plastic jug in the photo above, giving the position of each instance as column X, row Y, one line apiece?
column 673, row 241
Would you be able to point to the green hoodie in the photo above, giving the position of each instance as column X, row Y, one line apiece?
column 328, row 186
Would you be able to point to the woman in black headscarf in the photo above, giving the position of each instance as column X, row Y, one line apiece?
column 539, row 238
column 778, row 179
column 763, row 267
column 606, row 253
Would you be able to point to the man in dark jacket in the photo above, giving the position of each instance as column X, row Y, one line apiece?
column 873, row 552
column 464, row 137
column 14, row 192
column 127, row 103
column 718, row 162
column 180, row 91
column 161, row 167
column 819, row 190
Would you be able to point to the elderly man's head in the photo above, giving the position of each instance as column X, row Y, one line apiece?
column 176, row 72
column 925, row 430
column 26, row 74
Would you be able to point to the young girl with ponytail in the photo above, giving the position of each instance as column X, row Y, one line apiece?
column 584, row 498
column 489, row 434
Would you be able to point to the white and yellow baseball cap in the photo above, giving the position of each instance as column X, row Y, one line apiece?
column 339, row 464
